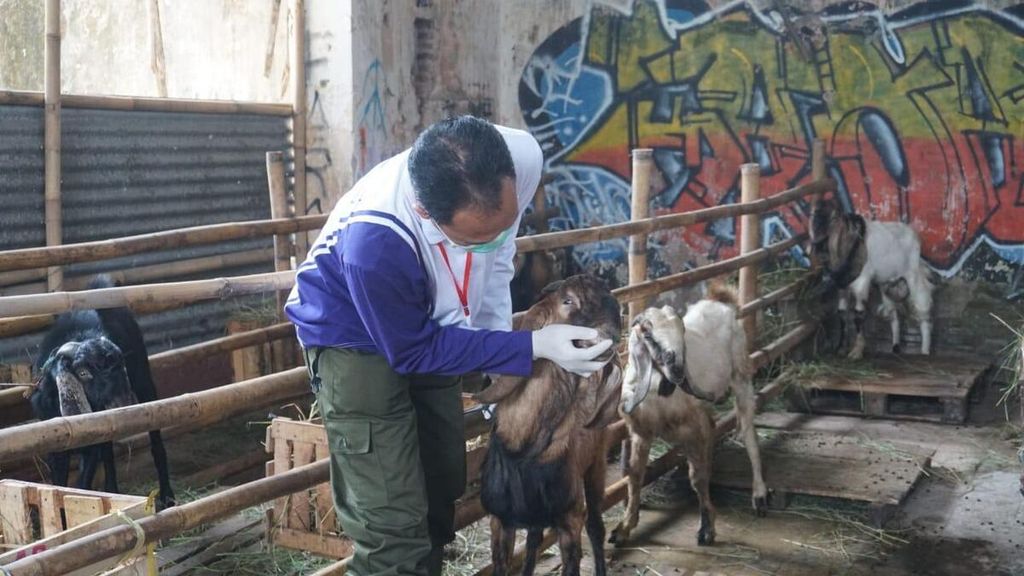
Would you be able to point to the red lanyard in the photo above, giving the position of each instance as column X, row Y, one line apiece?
column 463, row 292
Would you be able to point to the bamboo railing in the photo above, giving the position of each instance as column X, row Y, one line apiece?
column 65, row 433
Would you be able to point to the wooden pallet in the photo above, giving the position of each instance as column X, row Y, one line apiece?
column 306, row 520
column 879, row 474
column 927, row 388
column 38, row 517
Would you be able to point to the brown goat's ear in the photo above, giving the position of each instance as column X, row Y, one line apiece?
column 608, row 391
column 499, row 389
column 552, row 287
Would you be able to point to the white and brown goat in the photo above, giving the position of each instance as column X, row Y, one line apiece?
column 855, row 253
column 704, row 354
column 545, row 463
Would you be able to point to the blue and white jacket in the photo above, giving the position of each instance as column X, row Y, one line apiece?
column 375, row 280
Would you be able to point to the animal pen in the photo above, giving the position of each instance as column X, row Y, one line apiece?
column 807, row 457
column 293, row 473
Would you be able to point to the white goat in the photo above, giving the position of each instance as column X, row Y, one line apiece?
column 858, row 252
column 705, row 355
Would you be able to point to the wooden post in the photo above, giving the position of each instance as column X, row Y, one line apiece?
column 279, row 209
column 750, row 239
column 818, row 161
column 643, row 163
column 156, row 38
column 540, row 206
column 51, row 99
column 298, row 76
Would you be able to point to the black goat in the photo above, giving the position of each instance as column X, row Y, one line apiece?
column 93, row 360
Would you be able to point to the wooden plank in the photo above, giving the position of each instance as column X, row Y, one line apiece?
column 81, row 509
column 299, row 514
column 223, row 538
column 14, row 512
column 311, row 432
column 174, row 553
column 330, row 546
column 282, row 464
column 50, row 521
column 829, row 466
column 323, row 513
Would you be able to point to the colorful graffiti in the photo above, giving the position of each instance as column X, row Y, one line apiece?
column 921, row 110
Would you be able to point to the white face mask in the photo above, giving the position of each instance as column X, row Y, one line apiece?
column 477, row 248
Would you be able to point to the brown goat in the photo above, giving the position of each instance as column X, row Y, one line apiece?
column 545, row 464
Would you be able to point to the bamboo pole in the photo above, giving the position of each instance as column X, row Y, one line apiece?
column 611, row 231
column 137, row 103
column 298, row 77
column 817, row 164
column 123, row 538
column 51, row 98
column 772, row 297
column 26, row 258
column 750, row 239
column 643, row 165
column 17, row 326
column 678, row 280
column 171, row 294
column 156, row 40
column 279, row 209
column 223, row 402
column 787, row 342
column 173, row 521
column 167, row 270
column 21, row 277
column 187, row 354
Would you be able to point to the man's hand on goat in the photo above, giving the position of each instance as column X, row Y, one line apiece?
column 555, row 342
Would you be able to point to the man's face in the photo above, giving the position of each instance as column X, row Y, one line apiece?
column 472, row 225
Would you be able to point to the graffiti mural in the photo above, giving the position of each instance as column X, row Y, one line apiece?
column 921, row 110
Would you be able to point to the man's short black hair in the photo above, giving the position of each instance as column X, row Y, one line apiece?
column 458, row 163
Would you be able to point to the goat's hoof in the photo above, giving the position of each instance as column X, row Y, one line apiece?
column 761, row 506
column 619, row 536
column 705, row 538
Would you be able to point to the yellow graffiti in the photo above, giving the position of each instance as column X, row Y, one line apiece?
column 871, row 77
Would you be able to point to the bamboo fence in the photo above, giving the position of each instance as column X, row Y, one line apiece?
column 65, row 433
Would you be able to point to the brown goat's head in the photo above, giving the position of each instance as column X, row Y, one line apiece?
column 581, row 300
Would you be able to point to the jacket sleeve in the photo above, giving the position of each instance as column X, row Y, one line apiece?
column 390, row 292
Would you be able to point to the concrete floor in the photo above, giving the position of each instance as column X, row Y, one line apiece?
column 966, row 517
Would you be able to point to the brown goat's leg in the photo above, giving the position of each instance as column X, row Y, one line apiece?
column 593, row 490
column 745, row 407
column 534, row 537
column 641, row 448
column 503, row 541
column 570, row 536
column 700, row 479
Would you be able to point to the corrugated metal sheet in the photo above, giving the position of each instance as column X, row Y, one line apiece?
column 131, row 172
column 21, row 177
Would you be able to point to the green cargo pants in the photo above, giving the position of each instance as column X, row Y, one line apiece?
column 398, row 459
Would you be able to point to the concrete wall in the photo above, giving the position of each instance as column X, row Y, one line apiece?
column 211, row 48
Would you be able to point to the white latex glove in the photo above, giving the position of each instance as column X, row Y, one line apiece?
column 554, row 342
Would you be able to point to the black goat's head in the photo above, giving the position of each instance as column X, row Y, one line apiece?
column 97, row 366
